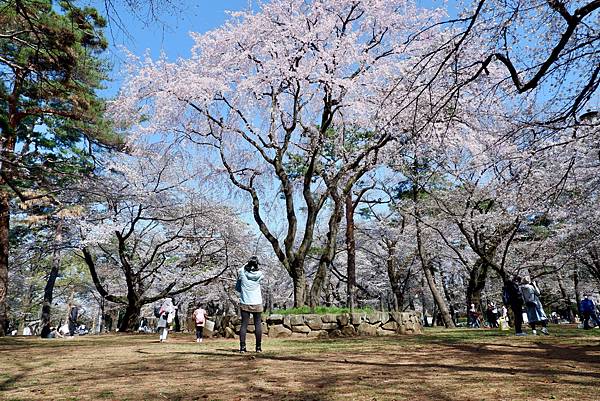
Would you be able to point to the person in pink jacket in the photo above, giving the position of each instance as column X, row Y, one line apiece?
column 199, row 317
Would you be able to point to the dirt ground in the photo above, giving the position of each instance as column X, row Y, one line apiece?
column 439, row 365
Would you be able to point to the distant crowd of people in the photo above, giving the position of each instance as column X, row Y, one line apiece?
column 522, row 296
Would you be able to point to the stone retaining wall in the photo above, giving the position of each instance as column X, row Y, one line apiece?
column 330, row 325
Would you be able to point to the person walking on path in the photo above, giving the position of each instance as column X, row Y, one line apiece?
column 588, row 310
column 533, row 306
column 248, row 285
column 199, row 317
column 166, row 313
column 512, row 297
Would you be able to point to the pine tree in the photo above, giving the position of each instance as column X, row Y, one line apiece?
column 50, row 113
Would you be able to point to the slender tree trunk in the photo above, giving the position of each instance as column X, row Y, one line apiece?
column 4, row 249
column 351, row 252
column 70, row 303
column 565, row 297
column 27, row 300
column 328, row 253
column 447, row 294
column 54, row 270
column 576, row 288
column 428, row 272
column 423, row 309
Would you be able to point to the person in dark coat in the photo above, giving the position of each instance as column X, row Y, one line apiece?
column 73, row 316
column 511, row 297
column 588, row 311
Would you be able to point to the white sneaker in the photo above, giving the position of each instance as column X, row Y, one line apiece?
column 534, row 332
column 545, row 331
column 199, row 340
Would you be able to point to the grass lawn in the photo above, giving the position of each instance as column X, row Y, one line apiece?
column 444, row 365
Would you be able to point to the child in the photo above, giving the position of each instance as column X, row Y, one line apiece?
column 199, row 316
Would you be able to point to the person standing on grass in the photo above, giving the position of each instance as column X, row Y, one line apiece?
column 73, row 316
column 533, row 306
column 511, row 296
column 166, row 313
column 248, row 285
column 474, row 317
column 588, row 310
column 199, row 317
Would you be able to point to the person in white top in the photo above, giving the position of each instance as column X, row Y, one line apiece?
column 167, row 314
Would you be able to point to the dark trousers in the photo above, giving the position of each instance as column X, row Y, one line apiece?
column 199, row 330
column 72, row 327
column 518, row 313
column 257, row 328
column 586, row 319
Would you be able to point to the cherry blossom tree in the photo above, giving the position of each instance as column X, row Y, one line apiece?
column 270, row 91
column 150, row 234
column 557, row 74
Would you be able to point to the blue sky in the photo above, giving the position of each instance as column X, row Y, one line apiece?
column 171, row 33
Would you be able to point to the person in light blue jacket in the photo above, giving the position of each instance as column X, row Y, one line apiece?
column 248, row 285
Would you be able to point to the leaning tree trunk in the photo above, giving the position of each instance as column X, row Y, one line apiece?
column 448, row 296
column 428, row 273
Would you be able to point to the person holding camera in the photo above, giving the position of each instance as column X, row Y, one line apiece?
column 248, row 285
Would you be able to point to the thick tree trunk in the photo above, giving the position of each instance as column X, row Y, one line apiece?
column 54, row 270
column 314, row 298
column 299, row 283
column 4, row 250
column 476, row 284
column 351, row 254
column 131, row 317
column 398, row 294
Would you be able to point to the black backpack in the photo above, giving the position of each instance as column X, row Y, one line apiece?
column 156, row 311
